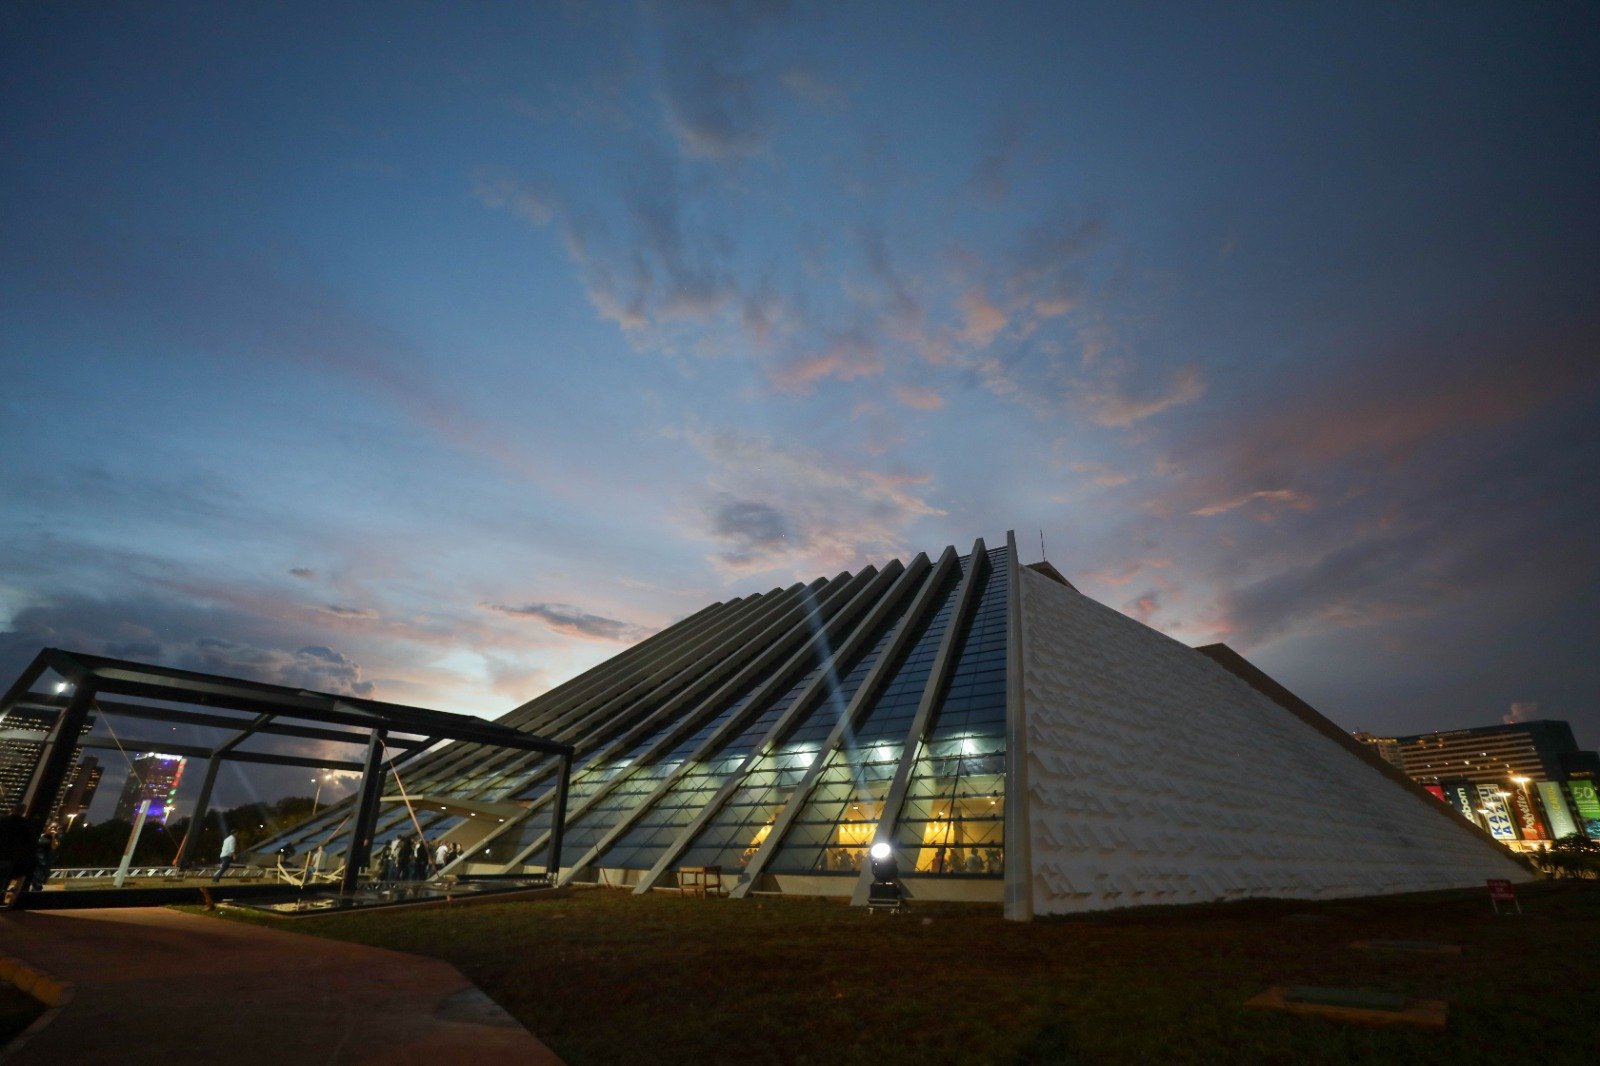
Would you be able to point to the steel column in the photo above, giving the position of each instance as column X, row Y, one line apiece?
column 366, row 813
column 202, row 807
column 1019, row 852
column 559, row 825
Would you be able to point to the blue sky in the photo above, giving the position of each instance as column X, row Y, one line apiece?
column 438, row 352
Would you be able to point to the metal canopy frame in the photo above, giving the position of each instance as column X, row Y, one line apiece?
column 366, row 722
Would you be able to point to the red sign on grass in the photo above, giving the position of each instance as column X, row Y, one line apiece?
column 1501, row 891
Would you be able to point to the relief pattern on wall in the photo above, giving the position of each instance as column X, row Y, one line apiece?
column 1158, row 777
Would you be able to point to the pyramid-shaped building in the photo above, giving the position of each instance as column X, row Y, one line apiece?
column 1010, row 737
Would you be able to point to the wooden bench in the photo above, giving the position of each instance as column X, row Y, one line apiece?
column 700, row 881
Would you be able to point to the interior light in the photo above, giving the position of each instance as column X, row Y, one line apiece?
column 880, row 851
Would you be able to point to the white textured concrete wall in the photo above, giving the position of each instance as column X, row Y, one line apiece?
column 1156, row 776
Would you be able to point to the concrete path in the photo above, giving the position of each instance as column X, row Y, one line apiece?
column 155, row 986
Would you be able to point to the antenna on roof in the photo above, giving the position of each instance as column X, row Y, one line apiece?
column 1041, row 545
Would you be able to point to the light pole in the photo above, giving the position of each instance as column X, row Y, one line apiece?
column 318, row 797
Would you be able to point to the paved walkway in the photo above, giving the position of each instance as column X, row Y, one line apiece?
column 152, row 985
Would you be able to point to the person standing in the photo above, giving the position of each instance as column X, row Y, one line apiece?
column 230, row 848
column 441, row 858
column 419, row 860
column 403, row 859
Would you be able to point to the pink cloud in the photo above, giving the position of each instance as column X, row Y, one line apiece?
column 1299, row 501
column 845, row 358
column 918, row 397
column 983, row 319
column 1108, row 405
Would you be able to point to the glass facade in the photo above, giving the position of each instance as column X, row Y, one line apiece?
column 787, row 772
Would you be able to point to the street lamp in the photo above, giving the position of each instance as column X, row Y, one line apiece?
column 315, row 799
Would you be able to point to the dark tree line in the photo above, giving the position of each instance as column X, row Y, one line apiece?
column 102, row 844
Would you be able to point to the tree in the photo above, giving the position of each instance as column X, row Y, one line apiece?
column 1574, row 856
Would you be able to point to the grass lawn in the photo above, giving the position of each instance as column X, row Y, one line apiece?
column 607, row 977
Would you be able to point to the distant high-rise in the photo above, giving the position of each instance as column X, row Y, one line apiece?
column 82, row 782
column 153, row 777
column 23, row 734
column 22, row 737
column 1490, row 755
column 1525, row 781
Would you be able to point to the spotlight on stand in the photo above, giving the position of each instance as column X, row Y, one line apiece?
column 885, row 892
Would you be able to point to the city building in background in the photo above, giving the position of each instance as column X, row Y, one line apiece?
column 1001, row 735
column 78, row 793
column 154, row 777
column 1387, row 748
column 22, row 738
column 23, row 733
column 1526, row 782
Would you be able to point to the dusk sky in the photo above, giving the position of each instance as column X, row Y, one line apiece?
column 437, row 353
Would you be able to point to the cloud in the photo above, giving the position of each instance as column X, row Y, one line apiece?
column 770, row 506
column 1143, row 608
column 715, row 97
column 752, row 530
column 504, row 192
column 661, row 266
column 808, row 85
column 1522, row 712
column 845, row 356
column 1126, row 572
column 919, row 397
column 572, row 621
column 1300, row 501
column 313, row 666
column 1101, row 474
column 1365, row 583
column 349, row 612
column 991, row 177
column 982, row 320
column 1107, row 405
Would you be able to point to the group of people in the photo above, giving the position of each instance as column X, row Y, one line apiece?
column 24, row 857
column 412, row 859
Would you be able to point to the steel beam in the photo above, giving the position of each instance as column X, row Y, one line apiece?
column 735, row 646
column 815, row 621
column 943, row 665
column 1019, row 850
column 835, row 666
column 925, row 605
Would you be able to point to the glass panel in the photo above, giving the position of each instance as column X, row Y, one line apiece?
column 737, row 831
column 834, row 827
column 953, row 821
